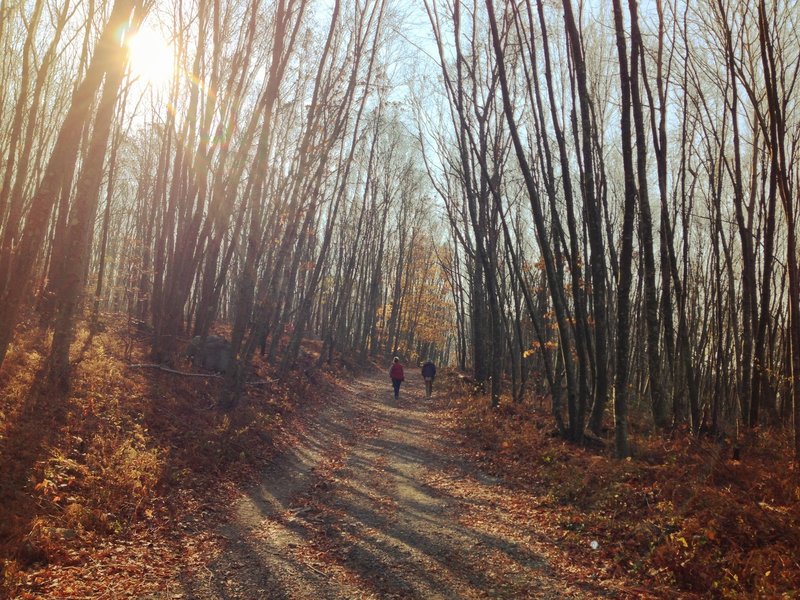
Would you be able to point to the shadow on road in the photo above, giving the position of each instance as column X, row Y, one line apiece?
column 373, row 503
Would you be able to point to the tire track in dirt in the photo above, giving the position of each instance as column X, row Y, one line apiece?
column 374, row 502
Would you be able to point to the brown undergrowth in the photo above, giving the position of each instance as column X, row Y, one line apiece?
column 681, row 512
column 117, row 473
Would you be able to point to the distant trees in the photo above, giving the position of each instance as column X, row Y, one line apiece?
column 269, row 184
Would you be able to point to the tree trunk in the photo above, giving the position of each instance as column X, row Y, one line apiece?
column 81, row 222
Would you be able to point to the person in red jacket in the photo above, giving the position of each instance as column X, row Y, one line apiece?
column 396, row 373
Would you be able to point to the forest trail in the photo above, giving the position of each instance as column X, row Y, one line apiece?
column 374, row 502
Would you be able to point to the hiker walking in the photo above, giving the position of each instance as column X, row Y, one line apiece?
column 428, row 373
column 396, row 373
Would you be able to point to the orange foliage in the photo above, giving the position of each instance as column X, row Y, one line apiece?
column 682, row 513
column 427, row 306
column 127, row 455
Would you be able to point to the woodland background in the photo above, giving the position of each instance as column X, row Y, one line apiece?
column 588, row 206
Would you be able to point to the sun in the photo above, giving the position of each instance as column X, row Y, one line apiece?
column 151, row 56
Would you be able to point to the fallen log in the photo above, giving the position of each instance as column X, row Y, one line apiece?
column 255, row 382
column 174, row 371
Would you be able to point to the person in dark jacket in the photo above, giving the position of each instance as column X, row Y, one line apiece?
column 396, row 373
column 428, row 373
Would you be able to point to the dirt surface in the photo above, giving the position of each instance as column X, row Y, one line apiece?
column 375, row 501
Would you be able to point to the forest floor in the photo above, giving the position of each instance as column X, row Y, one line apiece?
column 320, row 485
column 376, row 501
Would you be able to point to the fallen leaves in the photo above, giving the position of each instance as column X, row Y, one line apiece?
column 112, row 489
column 680, row 514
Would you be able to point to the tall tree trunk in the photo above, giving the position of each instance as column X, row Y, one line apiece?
column 658, row 397
column 81, row 222
column 626, row 252
column 594, row 220
column 777, row 139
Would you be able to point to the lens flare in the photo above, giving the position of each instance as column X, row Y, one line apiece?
column 151, row 57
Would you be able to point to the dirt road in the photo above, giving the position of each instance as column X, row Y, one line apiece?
column 375, row 502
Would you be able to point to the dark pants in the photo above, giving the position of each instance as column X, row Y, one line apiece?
column 396, row 384
column 428, row 386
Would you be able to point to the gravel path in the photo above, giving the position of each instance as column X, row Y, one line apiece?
column 374, row 501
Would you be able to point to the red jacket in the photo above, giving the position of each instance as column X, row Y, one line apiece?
column 396, row 372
